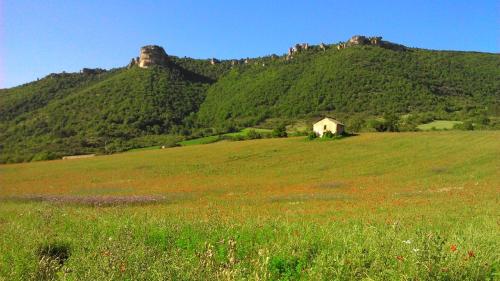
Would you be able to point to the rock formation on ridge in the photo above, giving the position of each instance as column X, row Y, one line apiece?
column 150, row 55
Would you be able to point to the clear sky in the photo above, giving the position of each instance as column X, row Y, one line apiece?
column 45, row 36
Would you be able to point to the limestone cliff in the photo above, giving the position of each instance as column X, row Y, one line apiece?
column 150, row 55
column 374, row 41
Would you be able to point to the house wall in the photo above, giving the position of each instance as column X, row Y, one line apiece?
column 319, row 127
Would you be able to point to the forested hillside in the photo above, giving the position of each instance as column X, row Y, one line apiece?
column 99, row 111
column 74, row 114
column 369, row 80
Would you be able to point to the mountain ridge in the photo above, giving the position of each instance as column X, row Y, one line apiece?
column 104, row 111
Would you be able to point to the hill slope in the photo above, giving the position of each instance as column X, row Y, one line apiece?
column 366, row 79
column 107, row 111
column 126, row 104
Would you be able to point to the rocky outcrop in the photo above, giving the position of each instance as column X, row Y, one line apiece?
column 150, row 55
column 133, row 61
column 357, row 40
column 377, row 41
column 296, row 49
column 214, row 61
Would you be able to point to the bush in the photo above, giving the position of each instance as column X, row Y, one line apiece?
column 408, row 127
column 252, row 134
column 391, row 121
column 377, row 125
column 312, row 135
column 356, row 124
column 289, row 268
column 465, row 126
column 328, row 135
column 44, row 155
column 280, row 132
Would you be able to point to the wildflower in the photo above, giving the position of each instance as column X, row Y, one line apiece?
column 407, row 241
column 415, row 250
column 471, row 254
column 453, row 248
column 400, row 258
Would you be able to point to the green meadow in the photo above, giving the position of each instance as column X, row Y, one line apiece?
column 439, row 125
column 376, row 206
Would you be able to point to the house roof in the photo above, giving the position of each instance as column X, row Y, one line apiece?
column 331, row 119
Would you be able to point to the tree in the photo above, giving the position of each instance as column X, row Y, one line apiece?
column 391, row 122
column 356, row 124
column 468, row 126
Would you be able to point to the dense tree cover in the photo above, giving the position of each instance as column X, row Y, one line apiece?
column 28, row 97
column 368, row 80
column 113, row 114
column 203, row 67
column 366, row 87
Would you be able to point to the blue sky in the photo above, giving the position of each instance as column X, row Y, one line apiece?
column 41, row 37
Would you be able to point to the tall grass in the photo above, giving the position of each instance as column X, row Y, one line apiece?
column 412, row 206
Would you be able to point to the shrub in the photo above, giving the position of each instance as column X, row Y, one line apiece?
column 280, row 132
column 44, row 155
column 328, row 135
column 483, row 120
column 266, row 135
column 312, row 135
column 391, row 121
column 356, row 124
column 377, row 125
column 252, row 134
column 289, row 268
column 408, row 127
column 466, row 126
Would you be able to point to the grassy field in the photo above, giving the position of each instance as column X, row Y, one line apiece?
column 245, row 132
column 204, row 140
column 439, row 125
column 378, row 206
column 144, row 148
column 212, row 139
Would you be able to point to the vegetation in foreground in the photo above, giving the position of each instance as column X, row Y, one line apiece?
column 406, row 206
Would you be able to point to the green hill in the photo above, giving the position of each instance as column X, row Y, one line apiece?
column 100, row 111
column 90, row 115
column 367, row 79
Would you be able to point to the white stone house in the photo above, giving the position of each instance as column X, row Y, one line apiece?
column 328, row 124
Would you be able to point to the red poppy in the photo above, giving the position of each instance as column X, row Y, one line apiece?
column 453, row 248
